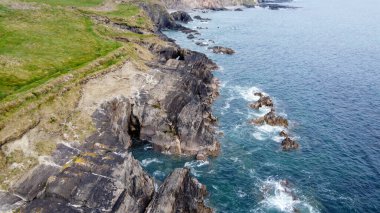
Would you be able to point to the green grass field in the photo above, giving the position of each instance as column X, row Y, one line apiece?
column 40, row 44
column 77, row 3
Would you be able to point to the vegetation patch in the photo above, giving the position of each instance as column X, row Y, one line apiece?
column 77, row 3
column 41, row 44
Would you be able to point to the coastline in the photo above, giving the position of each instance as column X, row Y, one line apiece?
column 167, row 104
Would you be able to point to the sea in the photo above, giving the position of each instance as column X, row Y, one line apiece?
column 320, row 63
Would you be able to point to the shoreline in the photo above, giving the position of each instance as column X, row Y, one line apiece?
column 159, row 113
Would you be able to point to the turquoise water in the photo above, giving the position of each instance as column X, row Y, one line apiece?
column 321, row 64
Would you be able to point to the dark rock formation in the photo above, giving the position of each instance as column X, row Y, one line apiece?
column 179, row 193
column 263, row 101
column 160, row 17
column 271, row 119
column 181, row 16
column 238, row 9
column 191, row 36
column 289, row 144
column 222, row 50
column 202, row 44
column 201, row 19
column 272, row 6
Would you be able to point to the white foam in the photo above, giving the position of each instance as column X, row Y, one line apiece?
column 259, row 136
column 248, row 93
column 159, row 173
column 277, row 195
column 240, row 193
column 196, row 163
column 148, row 161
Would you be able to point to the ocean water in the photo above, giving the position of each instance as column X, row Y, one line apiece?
column 321, row 65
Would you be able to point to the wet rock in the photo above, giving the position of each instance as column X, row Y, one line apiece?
column 201, row 156
column 273, row 6
column 191, row 36
column 202, row 44
column 179, row 193
column 201, row 19
column 181, row 16
column 263, row 101
column 238, row 9
column 222, row 50
column 271, row 119
column 289, row 144
column 283, row 134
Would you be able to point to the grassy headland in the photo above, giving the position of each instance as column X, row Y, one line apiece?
column 48, row 50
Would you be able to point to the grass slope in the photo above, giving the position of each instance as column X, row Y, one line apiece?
column 40, row 44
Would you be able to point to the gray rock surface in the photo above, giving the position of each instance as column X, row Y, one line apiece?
column 181, row 16
column 179, row 193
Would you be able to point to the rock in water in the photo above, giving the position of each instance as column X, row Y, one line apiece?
column 263, row 101
column 201, row 19
column 222, row 50
column 179, row 193
column 191, row 36
column 289, row 144
column 181, row 16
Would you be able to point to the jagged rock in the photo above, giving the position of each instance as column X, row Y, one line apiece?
column 181, row 16
column 31, row 184
column 283, row 134
column 263, row 101
column 201, row 156
column 9, row 202
column 201, row 19
column 202, row 44
column 179, row 193
column 191, row 36
column 271, row 119
column 159, row 16
column 222, row 50
column 289, row 144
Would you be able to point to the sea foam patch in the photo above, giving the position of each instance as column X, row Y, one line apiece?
column 279, row 196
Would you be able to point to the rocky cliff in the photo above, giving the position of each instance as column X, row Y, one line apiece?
column 163, row 98
column 207, row 4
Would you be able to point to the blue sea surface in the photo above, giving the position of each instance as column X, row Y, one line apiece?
column 321, row 65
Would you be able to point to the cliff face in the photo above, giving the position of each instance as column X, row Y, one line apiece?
column 207, row 4
column 163, row 98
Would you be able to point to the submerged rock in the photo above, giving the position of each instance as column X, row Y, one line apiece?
column 181, row 16
column 179, row 193
column 222, row 50
column 238, row 9
column 201, row 19
column 200, row 43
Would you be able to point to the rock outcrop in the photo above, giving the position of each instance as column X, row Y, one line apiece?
column 205, row 4
column 181, row 16
column 222, row 50
column 179, row 193
column 272, row 119
column 168, row 105
column 263, row 101
column 201, row 19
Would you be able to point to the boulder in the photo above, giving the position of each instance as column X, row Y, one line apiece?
column 201, row 19
column 179, row 193
column 289, row 144
column 263, row 101
column 222, row 50
column 191, row 36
